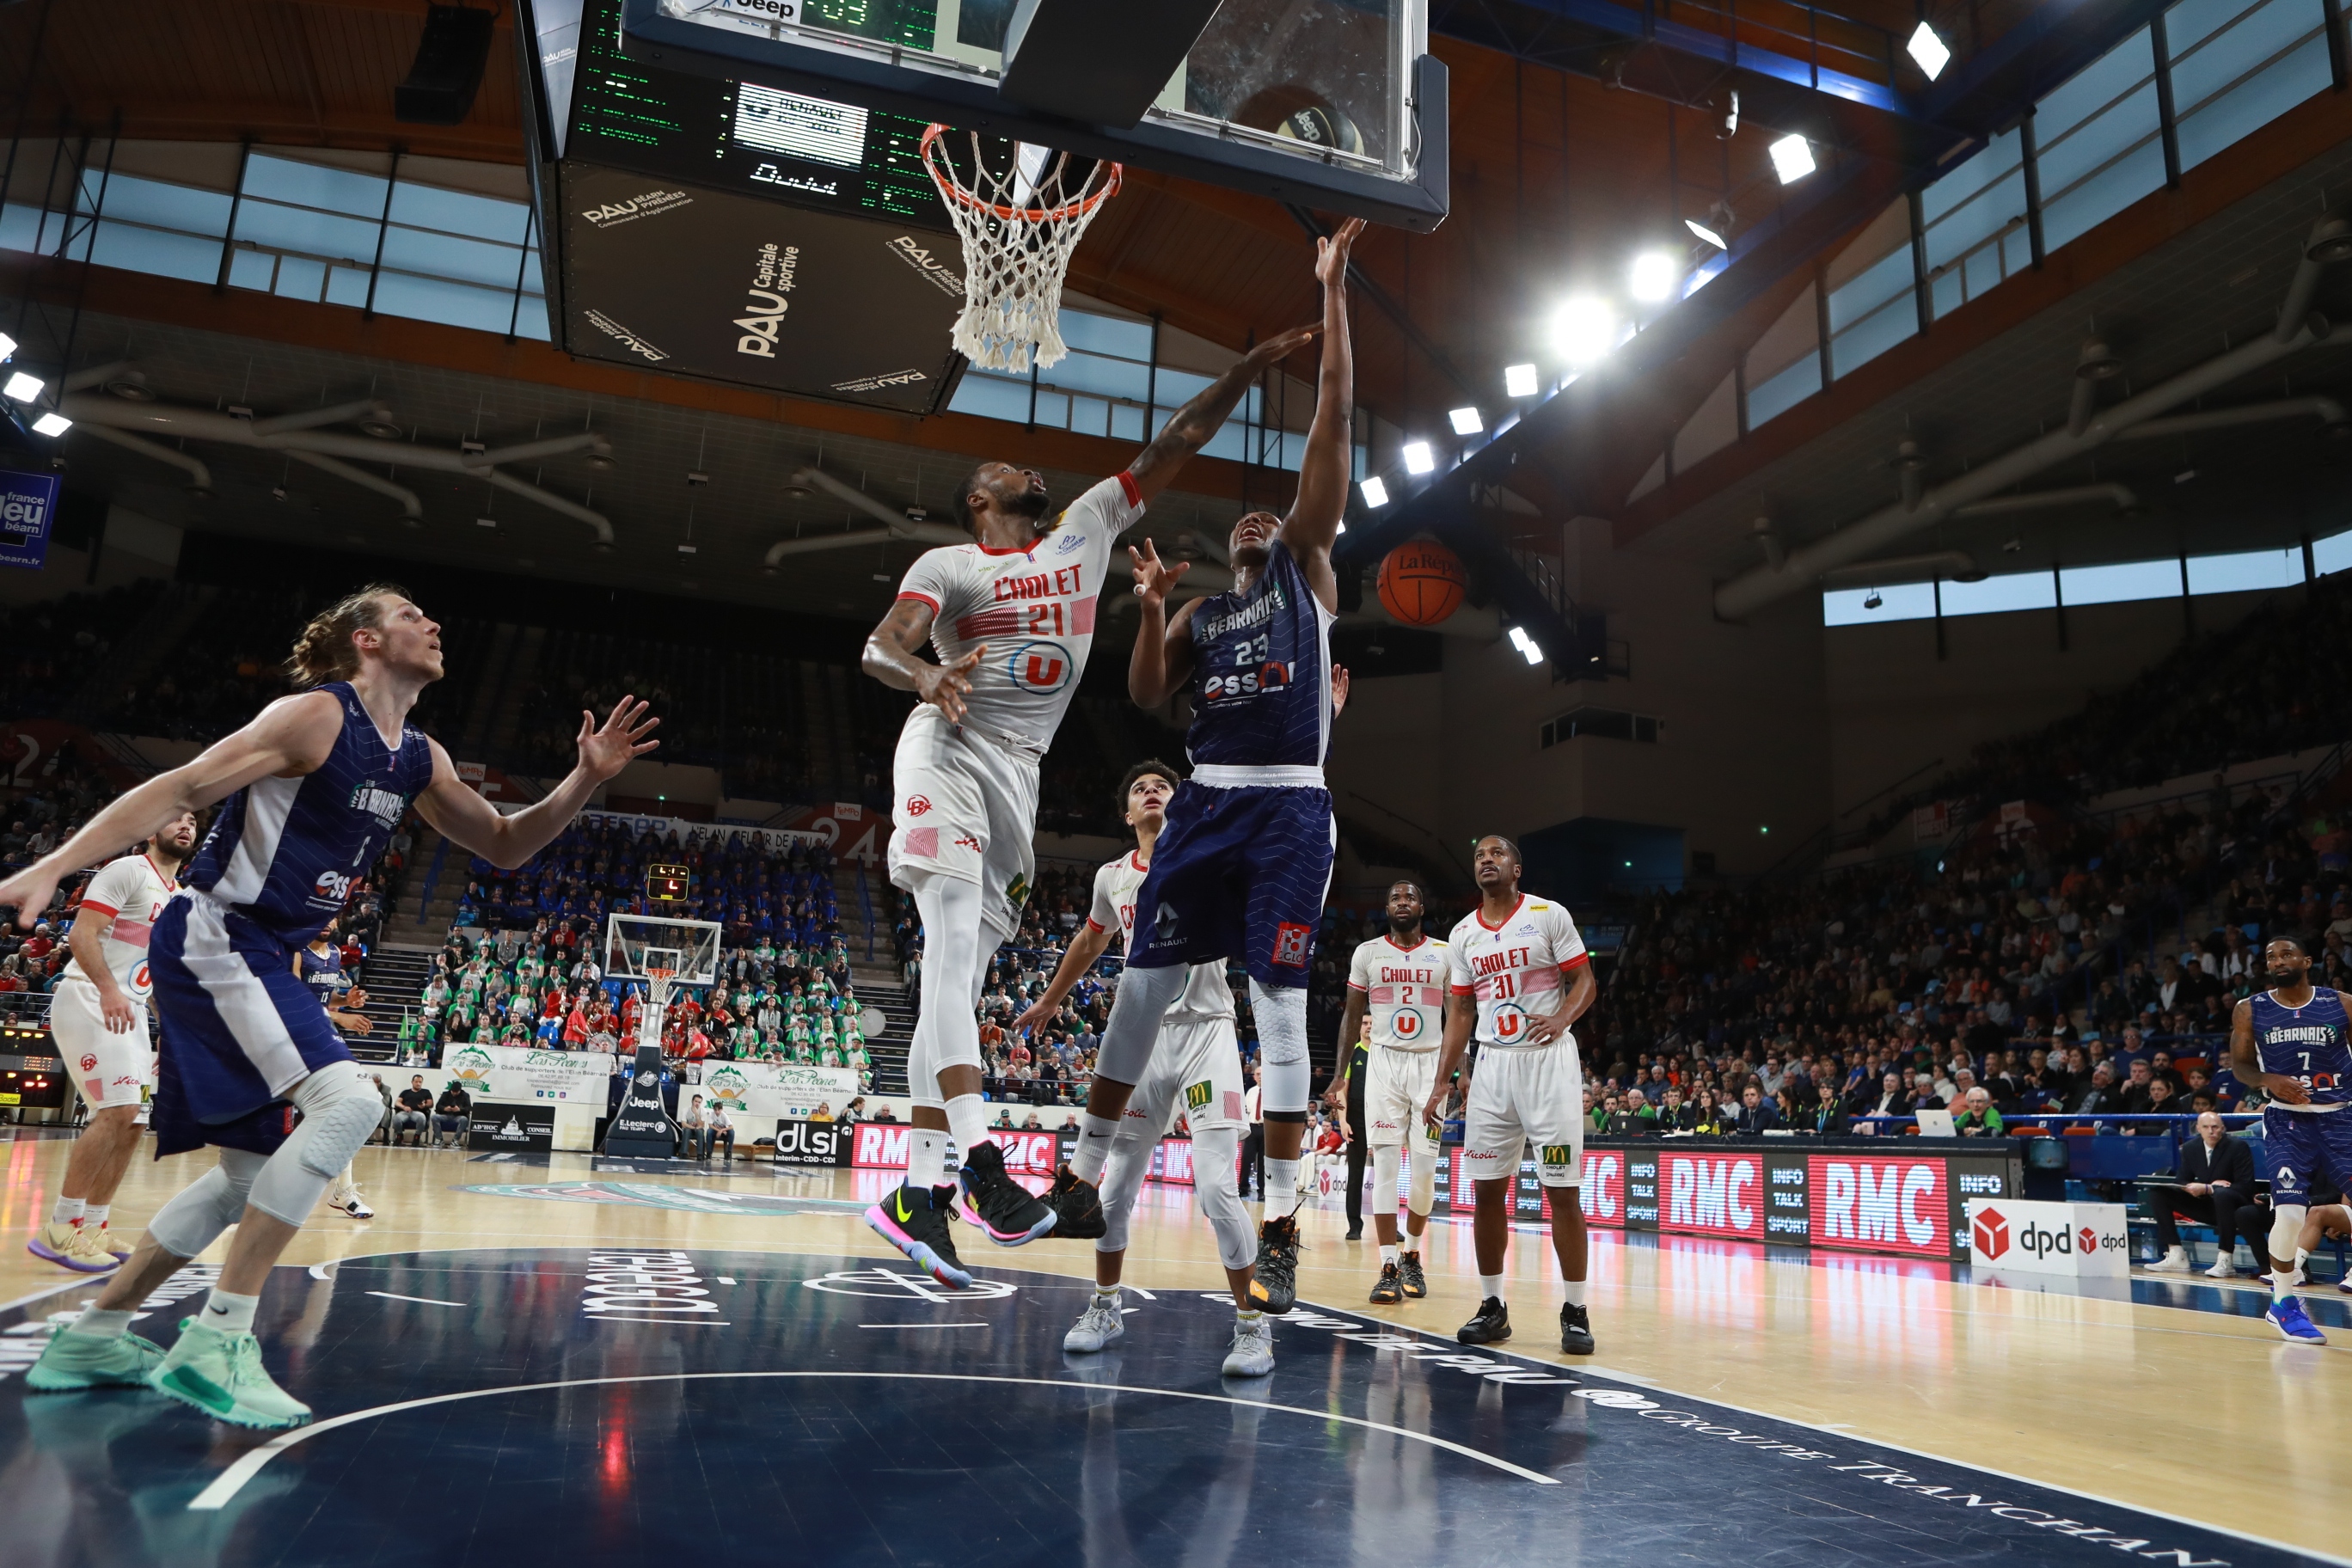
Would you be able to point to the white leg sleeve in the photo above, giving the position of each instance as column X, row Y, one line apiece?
column 1213, row 1150
column 1386, row 1163
column 1144, row 998
column 1123, row 1176
column 2287, row 1232
column 207, row 1206
column 1424, row 1196
column 1281, row 1013
column 339, row 1107
column 947, row 1031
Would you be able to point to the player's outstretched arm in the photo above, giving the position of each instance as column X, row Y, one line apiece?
column 1323, row 473
column 1192, row 426
column 2246, row 1062
column 292, row 735
column 889, row 657
column 1086, row 944
column 472, row 823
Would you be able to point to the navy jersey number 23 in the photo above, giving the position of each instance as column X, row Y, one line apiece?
column 1262, row 673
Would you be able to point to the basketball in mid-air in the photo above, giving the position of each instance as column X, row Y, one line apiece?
column 1422, row 582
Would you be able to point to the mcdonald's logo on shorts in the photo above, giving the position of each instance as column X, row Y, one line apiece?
column 1196, row 1095
column 1556, row 1154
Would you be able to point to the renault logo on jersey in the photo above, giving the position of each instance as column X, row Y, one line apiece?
column 1041, row 667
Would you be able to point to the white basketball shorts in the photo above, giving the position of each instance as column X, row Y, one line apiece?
column 1196, row 1069
column 1519, row 1097
column 966, row 807
column 1397, row 1085
column 108, row 1069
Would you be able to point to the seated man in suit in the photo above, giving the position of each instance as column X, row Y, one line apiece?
column 2216, row 1187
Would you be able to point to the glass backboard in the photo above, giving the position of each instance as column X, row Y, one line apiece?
column 1332, row 104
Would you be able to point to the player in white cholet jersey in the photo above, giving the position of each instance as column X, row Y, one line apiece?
column 97, row 1016
column 1521, row 962
column 1195, row 1071
column 1397, row 981
column 1012, row 618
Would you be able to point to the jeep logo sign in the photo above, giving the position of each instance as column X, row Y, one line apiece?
column 2080, row 1239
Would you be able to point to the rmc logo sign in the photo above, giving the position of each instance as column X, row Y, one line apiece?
column 1881, row 1205
column 1715, row 1194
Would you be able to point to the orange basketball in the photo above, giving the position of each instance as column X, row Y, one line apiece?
column 1422, row 582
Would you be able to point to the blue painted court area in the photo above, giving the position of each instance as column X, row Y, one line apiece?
column 552, row 1406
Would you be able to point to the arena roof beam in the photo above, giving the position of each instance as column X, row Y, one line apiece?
column 411, row 507
column 200, row 478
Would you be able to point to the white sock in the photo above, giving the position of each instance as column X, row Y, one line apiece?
column 69, row 1212
column 1490, row 1287
column 1095, row 1135
column 968, row 1123
column 1107, row 1295
column 100, row 1323
column 231, row 1314
column 1388, row 1253
column 93, row 1216
column 1575, row 1289
column 1248, row 1315
column 927, row 1157
column 1281, row 1187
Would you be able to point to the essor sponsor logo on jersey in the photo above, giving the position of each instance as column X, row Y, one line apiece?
column 1041, row 667
column 1721, row 1194
column 1881, row 1205
column 385, row 805
column 1271, row 676
column 332, row 887
column 1602, row 1195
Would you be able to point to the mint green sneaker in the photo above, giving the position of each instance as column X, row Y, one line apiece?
column 73, row 1361
column 222, row 1376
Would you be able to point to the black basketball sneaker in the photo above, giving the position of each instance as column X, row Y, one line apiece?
column 1575, row 1330
column 1388, row 1292
column 999, row 1206
column 1274, row 1287
column 1409, row 1274
column 1492, row 1326
column 915, row 1221
column 1078, row 1208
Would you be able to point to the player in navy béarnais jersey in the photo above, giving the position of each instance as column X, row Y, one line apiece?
column 310, row 792
column 1242, row 867
column 2291, row 1043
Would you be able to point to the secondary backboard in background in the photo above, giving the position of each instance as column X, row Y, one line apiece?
column 1332, row 104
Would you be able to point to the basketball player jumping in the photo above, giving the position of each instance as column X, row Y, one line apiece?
column 2291, row 1043
column 1196, row 1069
column 1012, row 615
column 99, row 1016
column 1400, row 977
column 1522, row 959
column 313, row 789
column 1241, row 867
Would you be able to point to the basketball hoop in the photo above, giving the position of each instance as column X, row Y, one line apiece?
column 1019, row 226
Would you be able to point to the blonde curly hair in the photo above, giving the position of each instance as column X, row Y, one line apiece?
column 324, row 651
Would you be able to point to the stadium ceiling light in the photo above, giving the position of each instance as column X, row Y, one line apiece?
column 1584, row 329
column 1417, row 457
column 1928, row 48
column 23, row 388
column 1466, row 422
column 1519, row 638
column 1519, row 381
column 52, row 425
column 8, row 345
column 1534, row 655
column 1376, row 494
column 1654, row 278
column 1707, row 234
column 1793, row 159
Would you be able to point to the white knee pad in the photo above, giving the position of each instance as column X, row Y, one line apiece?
column 1123, row 1177
column 955, row 962
column 2287, row 1232
column 1423, row 1194
column 1144, row 1000
column 206, row 1206
column 1386, row 1162
column 1214, row 1149
column 339, row 1109
column 1288, row 1077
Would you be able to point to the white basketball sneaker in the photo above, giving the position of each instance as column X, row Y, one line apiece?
column 1251, row 1354
column 2174, row 1261
column 348, row 1199
column 1100, row 1327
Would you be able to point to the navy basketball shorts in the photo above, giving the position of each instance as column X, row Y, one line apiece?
column 2299, row 1144
column 1238, row 874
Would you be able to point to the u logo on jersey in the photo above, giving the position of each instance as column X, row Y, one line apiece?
column 1041, row 667
column 1510, row 1023
column 1405, row 1023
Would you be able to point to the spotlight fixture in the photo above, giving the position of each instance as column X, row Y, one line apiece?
column 600, row 463
column 685, row 549
column 1376, row 494
column 1417, row 457
column 1584, row 329
column 1793, row 159
column 2096, row 362
column 1653, row 281
column 52, row 425
column 1465, row 421
column 1526, row 646
column 1929, row 51
column 8, row 345
column 1518, row 381
column 485, row 523
column 22, row 387
column 1707, row 234
column 697, row 477
column 382, row 429
column 131, row 387
column 1872, row 601
column 2331, row 242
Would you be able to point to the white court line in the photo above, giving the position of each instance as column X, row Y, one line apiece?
column 922, row 1325
column 392, row 1296
column 672, row 1322
column 231, row 1481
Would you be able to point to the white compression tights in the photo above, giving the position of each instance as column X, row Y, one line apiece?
column 1136, row 1016
column 2287, row 1232
column 1388, row 1160
column 340, row 1108
column 207, row 1206
column 956, row 951
column 1214, row 1149
column 1281, row 1014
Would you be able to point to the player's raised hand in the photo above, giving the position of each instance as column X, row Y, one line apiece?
column 945, row 686
column 606, row 748
column 1153, row 577
column 1281, row 346
column 1331, row 253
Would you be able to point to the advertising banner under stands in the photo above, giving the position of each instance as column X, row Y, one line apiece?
column 28, row 509
column 523, row 1075
column 513, row 1128
column 770, row 1089
column 816, row 1143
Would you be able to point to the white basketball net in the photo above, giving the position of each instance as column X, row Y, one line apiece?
column 1019, row 226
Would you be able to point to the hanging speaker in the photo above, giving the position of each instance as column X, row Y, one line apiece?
column 449, row 60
